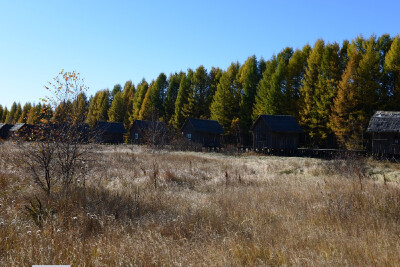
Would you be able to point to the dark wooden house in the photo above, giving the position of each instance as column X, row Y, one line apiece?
column 22, row 131
column 205, row 132
column 275, row 132
column 4, row 129
column 143, row 132
column 78, row 133
column 384, row 127
column 108, row 132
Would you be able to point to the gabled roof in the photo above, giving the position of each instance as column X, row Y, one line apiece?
column 142, row 124
column 5, row 125
column 205, row 126
column 17, row 127
column 110, row 127
column 385, row 121
column 280, row 123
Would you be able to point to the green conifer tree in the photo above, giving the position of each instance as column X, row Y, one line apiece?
column 158, row 95
column 279, row 95
column 80, row 108
column 200, row 86
column 18, row 113
column 184, row 101
column 104, row 104
column 98, row 108
column 310, row 82
column 392, row 67
column 5, row 113
column 137, row 101
column 128, row 94
column 214, row 77
column 343, row 55
column 116, row 112
column 262, row 65
column 147, row 106
column 263, row 89
column 10, row 116
column 34, row 115
column 61, row 112
column 174, row 81
column 249, row 77
column 224, row 107
column 369, row 78
column 295, row 75
column 324, row 93
column 384, row 43
column 346, row 118
column 116, row 89
column 25, row 111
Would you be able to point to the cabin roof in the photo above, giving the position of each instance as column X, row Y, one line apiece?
column 17, row 127
column 111, row 127
column 205, row 126
column 279, row 123
column 385, row 121
column 5, row 125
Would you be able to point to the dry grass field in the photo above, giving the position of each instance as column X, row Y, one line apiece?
column 186, row 208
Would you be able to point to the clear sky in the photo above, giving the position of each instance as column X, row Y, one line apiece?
column 110, row 42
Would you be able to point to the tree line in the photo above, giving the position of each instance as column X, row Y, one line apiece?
column 331, row 89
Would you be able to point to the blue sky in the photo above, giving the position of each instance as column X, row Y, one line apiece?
column 110, row 42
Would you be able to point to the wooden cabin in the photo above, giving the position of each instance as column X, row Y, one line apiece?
column 22, row 131
column 83, row 132
column 78, row 133
column 142, row 132
column 385, row 129
column 4, row 129
column 275, row 132
column 108, row 132
column 205, row 132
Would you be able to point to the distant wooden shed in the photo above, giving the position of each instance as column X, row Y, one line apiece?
column 4, row 129
column 205, row 132
column 23, row 131
column 142, row 131
column 77, row 133
column 276, row 132
column 385, row 129
column 108, row 132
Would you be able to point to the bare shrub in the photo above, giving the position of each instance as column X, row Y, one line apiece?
column 56, row 157
column 56, row 154
column 155, row 136
column 37, row 211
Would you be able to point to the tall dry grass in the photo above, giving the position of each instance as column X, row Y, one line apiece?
column 185, row 208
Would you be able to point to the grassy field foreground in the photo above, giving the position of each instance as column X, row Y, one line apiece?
column 185, row 208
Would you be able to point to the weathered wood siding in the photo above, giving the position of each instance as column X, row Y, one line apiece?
column 206, row 139
column 4, row 131
column 136, row 132
column 109, row 138
column 386, row 143
column 264, row 138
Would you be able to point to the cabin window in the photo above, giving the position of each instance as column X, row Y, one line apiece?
column 136, row 136
column 189, row 136
column 396, row 141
